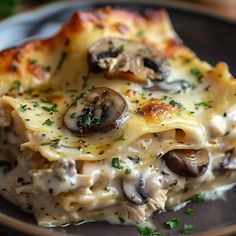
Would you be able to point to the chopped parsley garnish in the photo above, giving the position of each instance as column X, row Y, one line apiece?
column 191, row 212
column 140, row 33
column 22, row 108
column 116, row 163
column 173, row 223
column 198, row 198
column 143, row 96
column 177, row 104
column 94, row 121
column 122, row 220
column 46, row 100
column 207, row 104
column 16, row 85
column 128, row 171
column 35, row 103
column 48, row 122
column 72, row 115
column 188, row 228
column 149, row 231
column 120, row 138
column 62, row 60
column 195, row 71
column 51, row 109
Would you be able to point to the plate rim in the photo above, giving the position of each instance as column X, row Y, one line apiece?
column 36, row 230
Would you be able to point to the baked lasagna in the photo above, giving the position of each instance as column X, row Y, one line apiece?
column 112, row 118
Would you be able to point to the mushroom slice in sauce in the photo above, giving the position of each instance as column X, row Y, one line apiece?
column 187, row 163
column 134, row 188
column 132, row 60
column 101, row 110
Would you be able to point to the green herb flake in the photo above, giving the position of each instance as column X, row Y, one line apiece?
column 140, row 33
column 191, row 212
column 188, row 228
column 50, row 109
column 16, row 85
column 149, row 231
column 128, row 171
column 35, row 103
column 143, row 96
column 22, row 108
column 46, row 100
column 177, row 104
column 72, row 115
column 116, row 163
column 120, row 138
column 122, row 220
column 196, row 72
column 173, row 223
column 62, row 60
column 198, row 198
column 93, row 121
column 48, row 122
column 207, row 104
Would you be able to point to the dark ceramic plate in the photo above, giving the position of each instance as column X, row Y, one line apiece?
column 212, row 37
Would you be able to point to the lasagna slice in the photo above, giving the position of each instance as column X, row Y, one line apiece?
column 113, row 117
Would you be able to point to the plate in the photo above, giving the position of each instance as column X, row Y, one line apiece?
column 211, row 37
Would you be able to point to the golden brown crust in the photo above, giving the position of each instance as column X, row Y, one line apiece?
column 14, row 62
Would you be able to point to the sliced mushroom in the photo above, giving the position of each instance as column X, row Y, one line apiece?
column 134, row 188
column 134, row 61
column 229, row 161
column 101, row 110
column 187, row 163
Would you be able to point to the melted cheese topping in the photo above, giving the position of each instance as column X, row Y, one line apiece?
column 65, row 178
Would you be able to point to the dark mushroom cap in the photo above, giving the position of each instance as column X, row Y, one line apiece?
column 128, row 58
column 187, row 163
column 132, row 60
column 101, row 110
